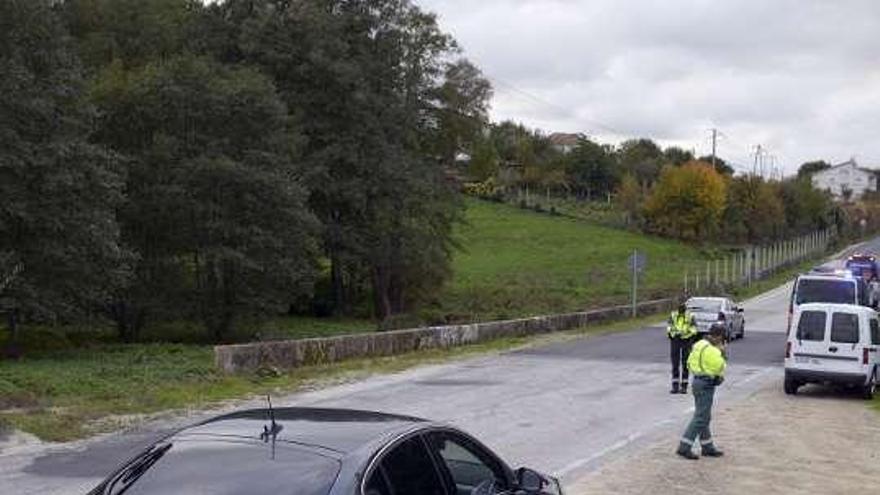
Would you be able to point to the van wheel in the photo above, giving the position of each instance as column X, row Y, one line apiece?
column 871, row 388
column 790, row 386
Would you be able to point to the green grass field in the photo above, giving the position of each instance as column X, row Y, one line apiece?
column 518, row 262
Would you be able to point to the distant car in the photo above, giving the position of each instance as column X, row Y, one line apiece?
column 321, row 452
column 709, row 310
column 837, row 287
column 838, row 344
column 862, row 265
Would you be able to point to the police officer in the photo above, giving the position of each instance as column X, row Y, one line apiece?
column 681, row 329
column 707, row 362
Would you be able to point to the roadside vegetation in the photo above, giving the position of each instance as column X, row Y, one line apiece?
column 69, row 394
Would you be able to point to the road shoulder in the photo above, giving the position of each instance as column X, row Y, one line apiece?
column 820, row 441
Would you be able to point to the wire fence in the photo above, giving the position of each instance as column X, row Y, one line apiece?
column 755, row 263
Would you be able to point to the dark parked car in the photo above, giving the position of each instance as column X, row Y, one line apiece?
column 321, row 452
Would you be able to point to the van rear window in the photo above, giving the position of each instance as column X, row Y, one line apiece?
column 826, row 291
column 811, row 326
column 845, row 328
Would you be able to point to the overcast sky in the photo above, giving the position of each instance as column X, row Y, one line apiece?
column 800, row 77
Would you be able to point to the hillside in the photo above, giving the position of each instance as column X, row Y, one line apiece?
column 517, row 262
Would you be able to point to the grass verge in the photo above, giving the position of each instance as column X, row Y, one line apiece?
column 66, row 395
column 517, row 262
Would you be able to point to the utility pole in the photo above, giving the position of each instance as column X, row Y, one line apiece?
column 714, row 141
column 758, row 151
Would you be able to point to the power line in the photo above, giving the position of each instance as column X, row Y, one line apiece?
column 567, row 112
column 591, row 123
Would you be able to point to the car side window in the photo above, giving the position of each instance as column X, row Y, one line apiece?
column 875, row 331
column 406, row 470
column 467, row 464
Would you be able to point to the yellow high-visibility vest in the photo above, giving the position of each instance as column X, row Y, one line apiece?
column 706, row 359
column 681, row 326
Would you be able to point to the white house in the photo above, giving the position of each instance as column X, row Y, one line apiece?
column 565, row 142
column 846, row 176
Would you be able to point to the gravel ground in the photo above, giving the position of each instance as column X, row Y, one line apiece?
column 820, row 441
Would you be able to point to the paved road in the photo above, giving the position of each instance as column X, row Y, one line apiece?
column 564, row 408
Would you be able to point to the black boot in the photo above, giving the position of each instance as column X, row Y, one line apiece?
column 712, row 452
column 684, row 388
column 674, row 388
column 687, row 454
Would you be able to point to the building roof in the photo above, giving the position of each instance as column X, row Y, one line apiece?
column 851, row 162
column 565, row 139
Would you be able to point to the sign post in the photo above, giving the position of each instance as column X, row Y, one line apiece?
column 636, row 263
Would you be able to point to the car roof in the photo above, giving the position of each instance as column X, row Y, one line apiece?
column 329, row 431
column 713, row 298
column 850, row 308
column 827, row 276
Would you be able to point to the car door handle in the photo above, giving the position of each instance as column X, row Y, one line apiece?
column 832, row 349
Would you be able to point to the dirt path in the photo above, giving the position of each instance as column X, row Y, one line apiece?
column 818, row 442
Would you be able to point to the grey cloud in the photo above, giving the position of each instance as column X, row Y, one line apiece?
column 796, row 75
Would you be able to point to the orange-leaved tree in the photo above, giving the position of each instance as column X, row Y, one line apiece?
column 687, row 202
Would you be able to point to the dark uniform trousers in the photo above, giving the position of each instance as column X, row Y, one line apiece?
column 680, row 349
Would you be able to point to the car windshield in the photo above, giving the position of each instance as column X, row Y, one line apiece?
column 231, row 467
column 859, row 267
column 704, row 305
column 826, row 291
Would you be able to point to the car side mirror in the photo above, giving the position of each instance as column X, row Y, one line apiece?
column 533, row 482
column 739, row 310
column 529, row 480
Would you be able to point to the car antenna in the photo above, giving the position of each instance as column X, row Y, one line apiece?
column 273, row 428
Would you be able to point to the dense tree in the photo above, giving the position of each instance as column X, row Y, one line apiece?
column 485, row 161
column 687, row 202
column 806, row 208
column 809, row 168
column 215, row 208
column 131, row 32
column 592, row 169
column 58, row 192
column 720, row 164
column 755, row 210
column 676, row 156
column 371, row 85
column 462, row 111
column 630, row 199
column 641, row 158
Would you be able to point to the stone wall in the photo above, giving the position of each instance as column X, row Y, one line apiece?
column 287, row 354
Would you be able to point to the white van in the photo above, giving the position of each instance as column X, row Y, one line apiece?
column 833, row 343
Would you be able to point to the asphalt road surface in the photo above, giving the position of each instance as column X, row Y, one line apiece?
column 564, row 408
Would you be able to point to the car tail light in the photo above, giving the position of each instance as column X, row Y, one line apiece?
column 788, row 325
column 787, row 350
column 865, row 355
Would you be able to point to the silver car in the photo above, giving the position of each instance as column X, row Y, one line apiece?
column 709, row 310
